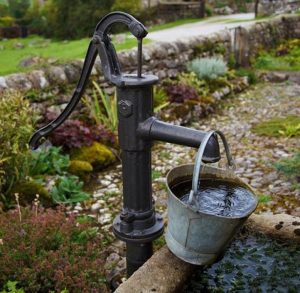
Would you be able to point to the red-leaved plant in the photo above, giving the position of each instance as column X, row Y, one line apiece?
column 179, row 93
column 49, row 251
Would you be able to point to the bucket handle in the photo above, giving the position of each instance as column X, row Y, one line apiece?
column 198, row 161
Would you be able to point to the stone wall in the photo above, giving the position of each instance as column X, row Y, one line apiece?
column 167, row 59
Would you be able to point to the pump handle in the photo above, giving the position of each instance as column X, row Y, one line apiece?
column 102, row 45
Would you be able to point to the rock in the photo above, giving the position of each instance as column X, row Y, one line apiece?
column 38, row 79
column 31, row 61
column 98, row 155
column 277, row 77
column 223, row 10
column 19, row 81
column 95, row 207
column 18, row 45
column 56, row 75
column 3, row 84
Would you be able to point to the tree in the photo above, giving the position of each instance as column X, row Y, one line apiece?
column 18, row 8
column 256, row 8
column 202, row 9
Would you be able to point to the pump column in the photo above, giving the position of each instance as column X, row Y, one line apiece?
column 137, row 225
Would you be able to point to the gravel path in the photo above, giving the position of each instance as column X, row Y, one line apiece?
column 254, row 155
column 203, row 28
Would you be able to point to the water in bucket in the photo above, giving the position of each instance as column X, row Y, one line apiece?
column 217, row 197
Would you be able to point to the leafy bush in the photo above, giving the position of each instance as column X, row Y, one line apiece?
column 16, row 127
column 291, row 168
column 208, row 68
column 190, row 79
column 11, row 287
column 76, row 133
column 48, row 251
column 48, row 161
column 129, row 6
column 106, row 113
column 6, row 21
column 250, row 73
column 68, row 190
column 179, row 93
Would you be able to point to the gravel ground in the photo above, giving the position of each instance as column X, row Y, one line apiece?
column 254, row 155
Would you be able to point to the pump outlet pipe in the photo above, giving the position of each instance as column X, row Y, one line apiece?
column 138, row 224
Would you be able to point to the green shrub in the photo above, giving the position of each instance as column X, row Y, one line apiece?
column 250, row 73
column 291, row 168
column 104, row 113
column 129, row 6
column 16, row 127
column 11, row 287
column 190, row 79
column 6, row 21
column 160, row 97
column 49, row 252
column 48, row 161
column 208, row 68
column 68, row 190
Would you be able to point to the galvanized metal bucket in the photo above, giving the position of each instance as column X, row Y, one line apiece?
column 194, row 236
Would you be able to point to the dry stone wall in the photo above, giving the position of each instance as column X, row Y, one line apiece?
column 167, row 59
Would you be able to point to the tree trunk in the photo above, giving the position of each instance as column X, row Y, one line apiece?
column 202, row 9
column 256, row 8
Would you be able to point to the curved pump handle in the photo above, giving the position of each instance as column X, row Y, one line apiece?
column 111, row 69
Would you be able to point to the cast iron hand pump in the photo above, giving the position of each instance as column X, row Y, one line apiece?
column 138, row 224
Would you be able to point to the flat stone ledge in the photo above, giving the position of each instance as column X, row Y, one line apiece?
column 165, row 273
column 162, row 273
column 280, row 226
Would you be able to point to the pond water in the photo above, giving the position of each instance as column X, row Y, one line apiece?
column 251, row 264
column 218, row 197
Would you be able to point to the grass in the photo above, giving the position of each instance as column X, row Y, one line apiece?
column 10, row 56
column 279, row 127
column 63, row 51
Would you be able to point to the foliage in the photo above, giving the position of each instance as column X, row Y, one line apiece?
column 18, row 8
column 48, row 161
column 6, row 21
column 105, row 113
column 16, row 127
column 250, row 73
column 208, row 68
column 291, row 168
column 76, row 134
column 285, row 57
column 277, row 127
column 80, row 168
column 68, row 190
column 179, row 93
column 48, row 251
column 11, row 287
column 129, row 6
column 98, row 155
column 190, row 79
column 263, row 198
column 69, row 19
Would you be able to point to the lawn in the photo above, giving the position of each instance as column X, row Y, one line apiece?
column 10, row 56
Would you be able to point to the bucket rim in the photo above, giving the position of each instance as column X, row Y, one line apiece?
column 205, row 213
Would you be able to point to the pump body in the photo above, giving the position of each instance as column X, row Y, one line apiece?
column 138, row 224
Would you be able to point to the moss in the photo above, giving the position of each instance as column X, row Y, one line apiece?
column 98, row 155
column 80, row 168
column 28, row 190
column 279, row 127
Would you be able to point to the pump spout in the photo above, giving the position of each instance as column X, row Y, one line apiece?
column 153, row 129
